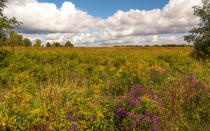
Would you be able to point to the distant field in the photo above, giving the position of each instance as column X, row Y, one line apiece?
column 104, row 88
column 112, row 48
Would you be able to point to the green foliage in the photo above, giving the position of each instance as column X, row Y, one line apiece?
column 27, row 42
column 69, row 44
column 56, row 44
column 14, row 39
column 48, row 44
column 84, row 89
column 38, row 43
column 6, row 24
column 201, row 36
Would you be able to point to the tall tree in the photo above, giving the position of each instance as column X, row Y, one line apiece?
column 69, row 44
column 27, row 42
column 200, row 36
column 48, row 44
column 14, row 39
column 38, row 43
column 56, row 44
column 6, row 24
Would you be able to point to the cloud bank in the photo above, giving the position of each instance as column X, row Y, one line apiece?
column 131, row 27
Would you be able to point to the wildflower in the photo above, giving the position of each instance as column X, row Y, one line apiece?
column 72, row 118
column 105, row 76
column 199, row 84
column 201, row 97
column 164, row 73
column 75, row 125
column 193, row 89
column 155, row 118
column 132, row 100
column 134, row 125
column 191, row 77
column 121, row 112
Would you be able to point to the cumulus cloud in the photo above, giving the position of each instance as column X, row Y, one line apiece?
column 47, row 18
column 176, row 17
column 131, row 27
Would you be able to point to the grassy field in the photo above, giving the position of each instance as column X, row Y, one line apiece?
column 113, row 88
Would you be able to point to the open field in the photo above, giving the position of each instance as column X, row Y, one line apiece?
column 104, row 88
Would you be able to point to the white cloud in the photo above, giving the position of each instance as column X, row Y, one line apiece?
column 71, row 23
column 46, row 17
column 176, row 17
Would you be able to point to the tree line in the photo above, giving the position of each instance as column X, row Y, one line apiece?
column 199, row 36
column 165, row 45
column 15, row 39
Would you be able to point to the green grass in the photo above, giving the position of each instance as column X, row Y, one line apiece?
column 42, row 87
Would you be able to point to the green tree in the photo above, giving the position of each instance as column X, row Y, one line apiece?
column 56, row 44
column 6, row 24
column 27, row 42
column 48, row 44
column 38, row 43
column 14, row 39
column 69, row 44
column 200, row 36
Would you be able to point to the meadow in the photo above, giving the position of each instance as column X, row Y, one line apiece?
column 112, row 88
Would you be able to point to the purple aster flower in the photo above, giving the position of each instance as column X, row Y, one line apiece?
column 201, row 97
column 75, row 125
column 121, row 112
column 72, row 118
column 155, row 118
column 202, row 84
column 191, row 77
column 193, row 89
column 164, row 73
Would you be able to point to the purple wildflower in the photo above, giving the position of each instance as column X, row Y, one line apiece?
column 72, row 118
column 134, row 125
column 75, row 125
column 191, row 77
column 121, row 112
column 164, row 73
column 134, row 99
column 199, row 84
column 201, row 97
column 202, row 84
column 155, row 118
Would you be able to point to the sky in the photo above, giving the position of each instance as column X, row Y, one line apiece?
column 105, row 22
column 106, row 8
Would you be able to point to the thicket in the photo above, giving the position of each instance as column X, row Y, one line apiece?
column 200, row 36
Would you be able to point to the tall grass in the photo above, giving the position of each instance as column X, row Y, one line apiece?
column 103, row 89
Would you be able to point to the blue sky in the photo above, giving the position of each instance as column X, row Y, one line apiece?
column 106, row 8
column 105, row 22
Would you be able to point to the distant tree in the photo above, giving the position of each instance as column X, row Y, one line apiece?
column 38, row 43
column 200, row 36
column 56, row 44
column 69, row 44
column 48, row 44
column 27, row 42
column 156, row 45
